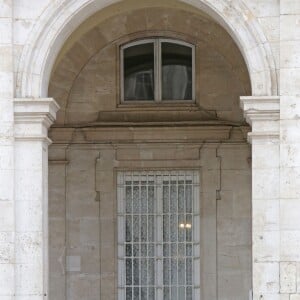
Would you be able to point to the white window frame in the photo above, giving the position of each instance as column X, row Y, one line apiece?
column 157, row 70
column 122, row 176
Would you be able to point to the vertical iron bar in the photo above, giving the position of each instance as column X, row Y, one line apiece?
column 185, row 243
column 147, row 233
column 140, row 233
column 132, row 241
column 177, row 227
column 170, row 242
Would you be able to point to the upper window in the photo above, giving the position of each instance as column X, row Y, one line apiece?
column 157, row 70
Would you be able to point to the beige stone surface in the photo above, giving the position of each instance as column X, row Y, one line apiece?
column 77, row 41
column 288, row 277
column 84, row 82
column 91, row 229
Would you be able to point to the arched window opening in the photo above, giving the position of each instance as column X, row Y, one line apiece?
column 157, row 70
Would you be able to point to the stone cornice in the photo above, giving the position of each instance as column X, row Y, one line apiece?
column 258, row 108
column 147, row 134
column 263, row 114
column 30, row 109
column 33, row 117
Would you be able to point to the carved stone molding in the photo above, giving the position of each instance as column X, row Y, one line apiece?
column 147, row 134
column 263, row 114
column 33, row 117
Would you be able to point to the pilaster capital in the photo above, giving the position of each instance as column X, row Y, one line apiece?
column 33, row 117
column 263, row 114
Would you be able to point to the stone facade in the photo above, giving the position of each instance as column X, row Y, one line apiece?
column 247, row 84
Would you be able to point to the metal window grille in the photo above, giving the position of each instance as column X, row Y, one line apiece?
column 158, row 235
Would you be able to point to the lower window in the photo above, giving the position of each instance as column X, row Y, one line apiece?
column 158, row 235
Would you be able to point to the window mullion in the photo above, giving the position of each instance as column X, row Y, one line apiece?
column 193, row 74
column 157, row 70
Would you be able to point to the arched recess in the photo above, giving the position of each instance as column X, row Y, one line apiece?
column 60, row 19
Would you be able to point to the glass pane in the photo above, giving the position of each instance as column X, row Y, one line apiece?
column 181, row 272
column 151, row 271
column 136, row 199
column 139, row 72
column 174, row 272
column 189, row 271
column 129, row 293
column 165, row 198
column 166, row 270
column 144, row 273
column 128, row 250
column 136, row 273
column 176, row 72
column 166, row 228
column 189, row 293
column 136, row 293
column 128, row 228
column 151, row 294
column 128, row 199
column 151, row 225
column 144, row 228
column 144, row 200
column 188, row 192
column 136, row 228
column 136, row 250
column 181, row 292
column 128, row 271
column 166, row 293
column 151, row 199
column 144, row 293
column 174, row 293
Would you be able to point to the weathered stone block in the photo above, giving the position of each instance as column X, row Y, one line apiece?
column 288, row 276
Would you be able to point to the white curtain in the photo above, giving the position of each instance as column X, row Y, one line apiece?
column 139, row 86
column 142, row 247
column 176, row 82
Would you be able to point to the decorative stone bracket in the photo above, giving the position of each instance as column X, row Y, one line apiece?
column 262, row 113
column 33, row 117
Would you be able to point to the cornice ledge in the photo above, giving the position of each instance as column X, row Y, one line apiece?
column 33, row 138
column 35, row 110
column 271, row 136
column 263, row 114
column 260, row 108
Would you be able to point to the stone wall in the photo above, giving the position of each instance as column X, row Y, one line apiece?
column 113, row 135
column 83, row 232
column 289, row 149
column 267, row 34
column 86, row 78
column 7, row 226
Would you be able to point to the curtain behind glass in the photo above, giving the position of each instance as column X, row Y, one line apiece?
column 139, row 72
column 176, row 72
column 141, row 244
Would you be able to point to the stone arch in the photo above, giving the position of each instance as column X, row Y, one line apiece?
column 59, row 20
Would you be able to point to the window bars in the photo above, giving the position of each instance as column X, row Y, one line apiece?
column 158, row 235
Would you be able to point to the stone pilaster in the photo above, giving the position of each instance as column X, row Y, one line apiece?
column 32, row 120
column 262, row 113
column 290, row 148
column 7, row 229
